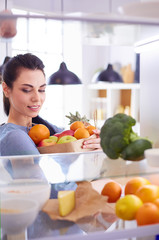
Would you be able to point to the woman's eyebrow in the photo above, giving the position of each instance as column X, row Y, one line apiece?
column 43, row 85
column 29, row 85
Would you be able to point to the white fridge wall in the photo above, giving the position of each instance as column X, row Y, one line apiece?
column 149, row 93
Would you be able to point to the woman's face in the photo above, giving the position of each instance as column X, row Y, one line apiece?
column 28, row 93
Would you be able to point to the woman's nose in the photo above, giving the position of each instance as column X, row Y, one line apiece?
column 36, row 96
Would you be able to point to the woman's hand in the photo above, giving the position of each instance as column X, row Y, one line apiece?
column 93, row 143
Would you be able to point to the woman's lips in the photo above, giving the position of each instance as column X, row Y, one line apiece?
column 34, row 108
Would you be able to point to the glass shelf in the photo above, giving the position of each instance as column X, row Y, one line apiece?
column 68, row 167
column 102, row 29
column 62, row 170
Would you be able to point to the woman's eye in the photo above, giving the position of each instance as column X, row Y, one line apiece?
column 25, row 90
column 42, row 90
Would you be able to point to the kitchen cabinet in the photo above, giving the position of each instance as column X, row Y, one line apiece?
column 62, row 171
column 110, row 101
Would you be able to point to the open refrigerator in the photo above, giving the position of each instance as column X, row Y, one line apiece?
column 60, row 170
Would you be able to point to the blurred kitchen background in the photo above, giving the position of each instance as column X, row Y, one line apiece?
column 88, row 48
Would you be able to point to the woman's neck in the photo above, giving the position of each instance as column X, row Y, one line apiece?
column 26, row 122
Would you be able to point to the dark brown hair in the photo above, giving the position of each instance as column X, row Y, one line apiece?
column 12, row 70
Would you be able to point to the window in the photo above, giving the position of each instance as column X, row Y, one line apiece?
column 43, row 37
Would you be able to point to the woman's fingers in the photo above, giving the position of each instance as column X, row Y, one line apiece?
column 92, row 143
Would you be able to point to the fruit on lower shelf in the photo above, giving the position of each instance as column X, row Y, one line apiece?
column 148, row 193
column 140, row 203
column 126, row 207
column 112, row 190
column 147, row 214
column 134, row 184
column 66, row 202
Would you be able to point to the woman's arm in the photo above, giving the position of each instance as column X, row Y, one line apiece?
column 17, row 142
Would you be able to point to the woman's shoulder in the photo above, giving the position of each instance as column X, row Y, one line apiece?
column 10, row 127
column 15, row 140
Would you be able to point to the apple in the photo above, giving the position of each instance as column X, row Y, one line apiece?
column 66, row 133
column 66, row 139
column 46, row 142
column 53, row 137
column 57, row 134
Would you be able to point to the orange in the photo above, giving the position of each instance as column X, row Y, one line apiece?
column 134, row 184
column 81, row 133
column 148, row 193
column 90, row 129
column 156, row 202
column 148, row 213
column 112, row 190
column 76, row 124
column 38, row 133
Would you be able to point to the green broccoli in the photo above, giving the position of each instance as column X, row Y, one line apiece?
column 117, row 134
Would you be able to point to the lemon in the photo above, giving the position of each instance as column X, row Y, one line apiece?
column 127, row 206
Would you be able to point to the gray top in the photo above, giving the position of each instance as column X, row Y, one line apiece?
column 14, row 140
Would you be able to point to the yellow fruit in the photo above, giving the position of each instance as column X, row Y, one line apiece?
column 134, row 184
column 66, row 202
column 127, row 206
column 148, row 193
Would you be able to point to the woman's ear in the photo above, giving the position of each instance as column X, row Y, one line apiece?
column 6, row 89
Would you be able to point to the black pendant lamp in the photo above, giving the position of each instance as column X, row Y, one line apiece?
column 109, row 75
column 63, row 76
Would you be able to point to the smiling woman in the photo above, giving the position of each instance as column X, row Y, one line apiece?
column 24, row 86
